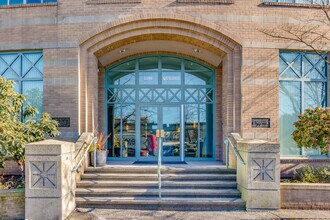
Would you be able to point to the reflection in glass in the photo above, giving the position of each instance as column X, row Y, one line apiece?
column 171, row 63
column 122, row 78
column 128, row 130
column 129, row 65
column 290, row 107
column 148, row 63
column 171, row 126
column 148, row 127
column 114, row 126
column 206, row 130
column 191, row 131
column 34, row 94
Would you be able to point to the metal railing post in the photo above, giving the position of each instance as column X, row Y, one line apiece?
column 227, row 152
column 158, row 167
column 95, row 141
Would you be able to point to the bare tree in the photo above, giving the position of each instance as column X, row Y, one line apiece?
column 313, row 30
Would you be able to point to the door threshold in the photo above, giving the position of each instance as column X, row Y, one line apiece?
column 164, row 162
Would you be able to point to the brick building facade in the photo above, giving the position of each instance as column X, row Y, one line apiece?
column 79, row 40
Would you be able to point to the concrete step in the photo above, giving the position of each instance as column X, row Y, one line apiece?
column 144, row 177
column 191, row 193
column 154, row 184
column 164, row 170
column 169, row 203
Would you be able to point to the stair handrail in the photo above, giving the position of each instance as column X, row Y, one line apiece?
column 227, row 142
column 93, row 142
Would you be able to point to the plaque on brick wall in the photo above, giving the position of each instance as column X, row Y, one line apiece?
column 64, row 122
column 260, row 122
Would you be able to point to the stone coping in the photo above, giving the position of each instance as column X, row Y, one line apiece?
column 29, row 5
column 299, row 5
column 306, row 186
column 304, row 160
column 12, row 192
column 48, row 147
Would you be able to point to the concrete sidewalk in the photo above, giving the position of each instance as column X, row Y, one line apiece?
column 100, row 214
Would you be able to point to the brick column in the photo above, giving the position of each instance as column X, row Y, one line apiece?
column 259, row 178
column 50, row 183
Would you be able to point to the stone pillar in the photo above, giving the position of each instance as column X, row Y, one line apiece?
column 259, row 178
column 50, row 182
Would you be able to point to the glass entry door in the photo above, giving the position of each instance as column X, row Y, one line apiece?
column 167, row 118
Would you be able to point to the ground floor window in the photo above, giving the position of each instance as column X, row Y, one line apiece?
column 26, row 69
column 160, row 92
column 303, row 84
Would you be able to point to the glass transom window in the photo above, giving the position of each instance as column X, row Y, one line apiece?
column 303, row 84
column 163, row 92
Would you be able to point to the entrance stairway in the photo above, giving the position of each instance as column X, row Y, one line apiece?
column 136, row 187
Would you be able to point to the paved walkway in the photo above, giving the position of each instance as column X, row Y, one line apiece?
column 114, row 214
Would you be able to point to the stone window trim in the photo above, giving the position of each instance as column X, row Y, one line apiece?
column 29, row 5
column 296, row 5
column 226, row 2
column 91, row 2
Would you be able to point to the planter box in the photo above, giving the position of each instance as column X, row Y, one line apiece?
column 305, row 196
column 12, row 203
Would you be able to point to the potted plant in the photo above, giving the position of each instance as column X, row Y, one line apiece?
column 101, row 151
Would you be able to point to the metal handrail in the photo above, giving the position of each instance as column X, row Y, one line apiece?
column 240, row 159
column 94, row 141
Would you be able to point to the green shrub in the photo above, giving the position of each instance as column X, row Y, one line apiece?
column 313, row 129
column 18, row 125
column 309, row 174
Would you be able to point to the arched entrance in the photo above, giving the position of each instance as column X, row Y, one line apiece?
column 188, row 38
column 167, row 92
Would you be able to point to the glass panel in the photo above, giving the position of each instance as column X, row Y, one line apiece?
column 14, row 2
column 148, row 127
column 171, row 78
column 122, row 78
column 314, row 67
column 148, row 63
column 114, row 123
column 198, row 78
column 290, row 107
column 190, row 65
column 171, row 126
column 290, row 65
column 171, row 63
column 50, row 1
column 129, row 65
column 3, row 2
column 191, row 131
column 314, row 94
column 34, row 94
column 128, row 119
column 206, row 130
column 33, row 1
column 148, row 78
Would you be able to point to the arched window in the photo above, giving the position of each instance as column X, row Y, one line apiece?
column 160, row 92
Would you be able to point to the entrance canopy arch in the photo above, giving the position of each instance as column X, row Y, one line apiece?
column 161, row 33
